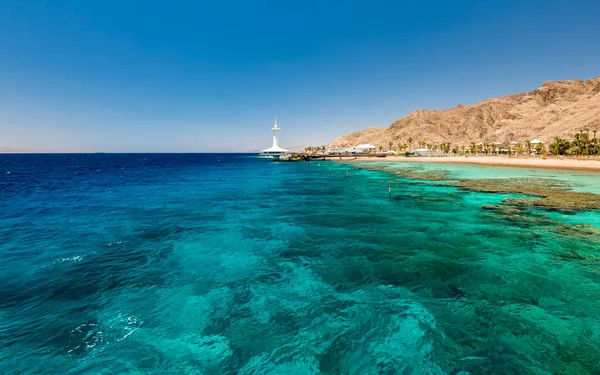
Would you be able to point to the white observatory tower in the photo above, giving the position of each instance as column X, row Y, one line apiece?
column 275, row 151
column 276, row 130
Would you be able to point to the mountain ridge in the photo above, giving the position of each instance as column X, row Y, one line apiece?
column 556, row 108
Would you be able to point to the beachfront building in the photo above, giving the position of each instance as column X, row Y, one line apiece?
column 338, row 150
column 275, row 151
column 538, row 147
column 512, row 148
column 365, row 147
column 427, row 152
column 360, row 149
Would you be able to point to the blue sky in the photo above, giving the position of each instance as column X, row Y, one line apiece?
column 186, row 76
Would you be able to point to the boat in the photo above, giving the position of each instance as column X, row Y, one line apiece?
column 289, row 157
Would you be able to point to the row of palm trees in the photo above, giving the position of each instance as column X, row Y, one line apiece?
column 313, row 150
column 582, row 144
column 483, row 148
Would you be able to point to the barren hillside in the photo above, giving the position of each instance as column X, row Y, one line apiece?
column 557, row 108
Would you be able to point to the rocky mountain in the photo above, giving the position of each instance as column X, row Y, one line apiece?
column 557, row 108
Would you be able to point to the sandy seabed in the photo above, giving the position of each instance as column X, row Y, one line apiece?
column 534, row 162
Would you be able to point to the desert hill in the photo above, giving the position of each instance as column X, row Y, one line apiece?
column 557, row 108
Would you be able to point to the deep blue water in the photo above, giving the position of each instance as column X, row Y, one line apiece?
column 231, row 264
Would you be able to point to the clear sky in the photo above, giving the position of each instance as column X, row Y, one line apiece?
column 186, row 76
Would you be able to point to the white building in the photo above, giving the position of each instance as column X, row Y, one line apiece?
column 363, row 148
column 275, row 151
column 427, row 152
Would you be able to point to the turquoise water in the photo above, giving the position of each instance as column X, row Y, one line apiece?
column 583, row 181
column 229, row 264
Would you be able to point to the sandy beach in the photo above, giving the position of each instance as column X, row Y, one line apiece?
column 550, row 163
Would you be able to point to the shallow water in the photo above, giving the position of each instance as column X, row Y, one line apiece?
column 585, row 181
column 229, row 264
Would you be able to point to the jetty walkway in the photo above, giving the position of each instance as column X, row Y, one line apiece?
column 304, row 156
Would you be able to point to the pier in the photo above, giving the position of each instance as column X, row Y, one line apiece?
column 305, row 156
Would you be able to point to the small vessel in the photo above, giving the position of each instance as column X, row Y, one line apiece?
column 289, row 157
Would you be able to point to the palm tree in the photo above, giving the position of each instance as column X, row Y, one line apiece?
column 539, row 148
column 390, row 144
column 518, row 149
column 462, row 149
column 528, row 147
column 559, row 146
column 399, row 147
column 380, row 148
column 446, row 146
column 409, row 143
column 587, row 141
column 579, row 142
column 554, row 147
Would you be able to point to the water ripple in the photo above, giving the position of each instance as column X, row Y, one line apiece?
column 225, row 264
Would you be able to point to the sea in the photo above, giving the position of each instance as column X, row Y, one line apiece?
column 234, row 264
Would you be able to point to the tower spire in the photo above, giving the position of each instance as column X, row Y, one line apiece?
column 275, row 131
column 275, row 150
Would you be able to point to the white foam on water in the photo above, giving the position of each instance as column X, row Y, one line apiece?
column 76, row 258
column 96, row 337
column 73, row 259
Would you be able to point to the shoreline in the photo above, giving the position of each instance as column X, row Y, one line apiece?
column 498, row 161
